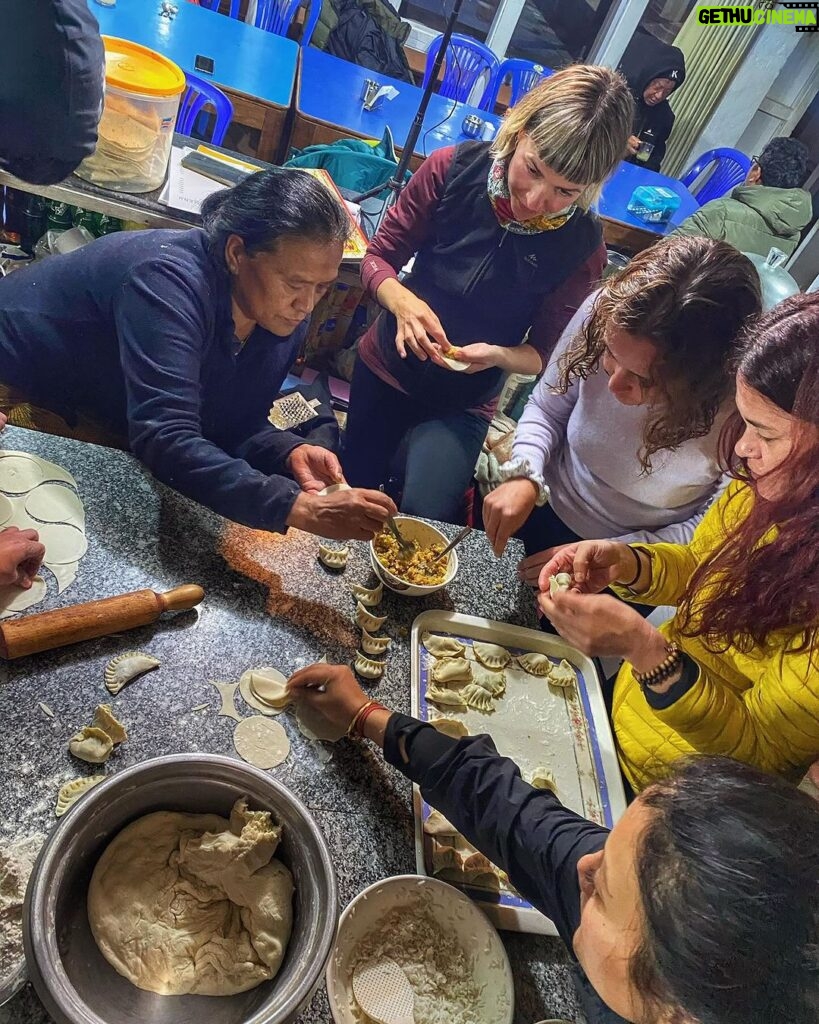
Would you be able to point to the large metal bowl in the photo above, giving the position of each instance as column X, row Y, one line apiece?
column 72, row 978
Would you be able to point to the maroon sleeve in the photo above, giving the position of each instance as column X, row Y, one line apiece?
column 407, row 225
column 560, row 305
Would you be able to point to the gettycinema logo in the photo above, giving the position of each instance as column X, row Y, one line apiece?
column 803, row 16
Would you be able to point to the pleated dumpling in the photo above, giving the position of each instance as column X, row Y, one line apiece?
column 535, row 664
column 443, row 646
column 562, row 674
column 560, row 581
column 453, row 727
column 542, row 778
column 452, row 670
column 491, row 655
column 477, row 698
column 445, row 695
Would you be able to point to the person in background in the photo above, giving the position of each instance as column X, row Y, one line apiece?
column 507, row 249
column 736, row 671
column 770, row 208
column 620, row 436
column 699, row 907
column 653, row 70
column 51, row 96
column 180, row 341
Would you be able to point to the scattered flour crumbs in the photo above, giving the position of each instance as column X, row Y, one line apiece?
column 440, row 973
column 16, row 861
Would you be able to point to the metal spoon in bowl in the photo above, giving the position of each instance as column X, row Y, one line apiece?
column 407, row 546
column 464, row 533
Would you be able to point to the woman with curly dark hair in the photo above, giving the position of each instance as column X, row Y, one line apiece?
column 736, row 671
column 620, row 437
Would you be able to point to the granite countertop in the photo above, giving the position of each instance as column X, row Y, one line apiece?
column 268, row 601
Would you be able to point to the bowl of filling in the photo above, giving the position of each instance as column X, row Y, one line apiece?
column 187, row 887
column 415, row 573
column 451, row 954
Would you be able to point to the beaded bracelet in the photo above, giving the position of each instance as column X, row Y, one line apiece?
column 664, row 670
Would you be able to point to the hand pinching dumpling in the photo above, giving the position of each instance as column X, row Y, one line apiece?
column 443, row 646
column 126, row 668
column 535, row 664
column 562, row 674
column 560, row 581
column 452, row 670
column 333, row 558
column 369, row 597
column 366, row 620
column 491, row 655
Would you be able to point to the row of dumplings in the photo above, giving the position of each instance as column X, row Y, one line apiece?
column 366, row 664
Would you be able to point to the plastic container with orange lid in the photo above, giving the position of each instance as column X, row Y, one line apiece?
column 142, row 94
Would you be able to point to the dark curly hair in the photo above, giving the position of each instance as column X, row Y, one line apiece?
column 759, row 584
column 728, row 870
column 690, row 297
column 784, row 163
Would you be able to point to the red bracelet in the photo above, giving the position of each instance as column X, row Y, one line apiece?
column 365, row 714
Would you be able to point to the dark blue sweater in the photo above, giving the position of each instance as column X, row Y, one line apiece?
column 136, row 331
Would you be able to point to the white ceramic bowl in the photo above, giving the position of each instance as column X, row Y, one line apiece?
column 424, row 534
column 455, row 913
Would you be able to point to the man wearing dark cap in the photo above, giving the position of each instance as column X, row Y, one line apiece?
column 768, row 209
column 53, row 69
column 653, row 71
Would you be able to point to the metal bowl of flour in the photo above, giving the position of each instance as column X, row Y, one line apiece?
column 72, row 978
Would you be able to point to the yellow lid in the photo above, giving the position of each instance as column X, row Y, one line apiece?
column 135, row 68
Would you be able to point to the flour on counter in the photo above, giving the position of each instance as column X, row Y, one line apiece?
column 16, row 861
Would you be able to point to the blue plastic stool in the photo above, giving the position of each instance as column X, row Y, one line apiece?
column 198, row 95
column 731, row 170
column 523, row 76
column 465, row 61
column 276, row 16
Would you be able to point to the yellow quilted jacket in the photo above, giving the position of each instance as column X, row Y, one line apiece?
column 761, row 707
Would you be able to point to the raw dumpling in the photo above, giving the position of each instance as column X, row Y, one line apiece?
column 367, row 668
column 374, row 644
column 542, row 778
column 560, row 581
column 104, row 719
column 366, row 620
column 535, row 664
column 443, row 695
column 368, row 597
column 562, row 674
column 493, row 682
column 437, row 825
column 91, row 744
column 452, row 670
column 333, row 558
column 71, row 792
column 453, row 727
column 129, row 666
column 491, row 655
column 476, row 697
column 269, row 686
column 443, row 646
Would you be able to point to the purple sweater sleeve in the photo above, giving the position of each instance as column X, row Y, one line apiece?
column 542, row 428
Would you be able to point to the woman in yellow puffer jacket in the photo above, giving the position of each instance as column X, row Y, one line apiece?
column 736, row 671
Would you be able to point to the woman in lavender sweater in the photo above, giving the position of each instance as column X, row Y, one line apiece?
column 619, row 439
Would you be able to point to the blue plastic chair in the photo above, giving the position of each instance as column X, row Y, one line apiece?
column 199, row 95
column 731, row 168
column 465, row 61
column 523, row 75
column 276, row 16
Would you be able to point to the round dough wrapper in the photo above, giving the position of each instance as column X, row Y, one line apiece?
column 251, row 699
column 13, row 599
column 261, row 742
column 19, row 473
column 54, row 504
column 62, row 543
column 270, row 686
column 6, row 509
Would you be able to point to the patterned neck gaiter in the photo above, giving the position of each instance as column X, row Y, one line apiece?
column 499, row 196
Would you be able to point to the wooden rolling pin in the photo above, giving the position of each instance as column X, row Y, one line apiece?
column 45, row 630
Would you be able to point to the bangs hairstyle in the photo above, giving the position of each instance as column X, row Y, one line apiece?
column 273, row 204
column 579, row 120
column 728, row 871
column 758, row 583
column 690, row 297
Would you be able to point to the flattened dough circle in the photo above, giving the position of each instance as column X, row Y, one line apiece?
column 6, row 509
column 250, row 697
column 261, row 742
column 19, row 473
column 13, row 599
column 62, row 543
column 54, row 504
